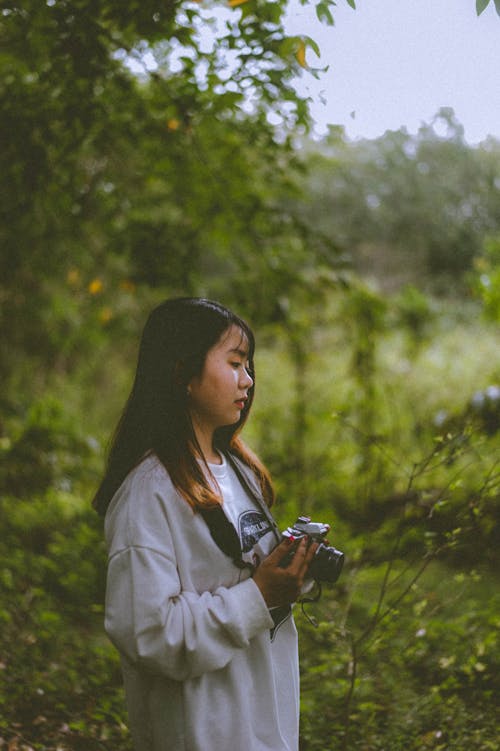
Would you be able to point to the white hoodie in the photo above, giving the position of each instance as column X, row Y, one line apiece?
column 201, row 671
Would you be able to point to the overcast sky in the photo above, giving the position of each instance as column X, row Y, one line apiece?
column 394, row 63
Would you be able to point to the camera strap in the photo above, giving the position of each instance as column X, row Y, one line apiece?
column 223, row 532
column 249, row 482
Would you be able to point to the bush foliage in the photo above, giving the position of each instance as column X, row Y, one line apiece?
column 406, row 651
column 365, row 268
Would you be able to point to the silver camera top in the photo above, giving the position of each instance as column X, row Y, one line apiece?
column 313, row 529
column 307, row 527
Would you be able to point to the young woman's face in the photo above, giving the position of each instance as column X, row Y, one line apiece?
column 218, row 395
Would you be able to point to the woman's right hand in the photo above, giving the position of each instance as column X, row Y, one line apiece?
column 282, row 585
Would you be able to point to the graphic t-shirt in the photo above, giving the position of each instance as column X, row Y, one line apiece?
column 257, row 538
column 254, row 530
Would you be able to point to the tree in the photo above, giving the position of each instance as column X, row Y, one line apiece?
column 110, row 177
column 103, row 171
column 407, row 207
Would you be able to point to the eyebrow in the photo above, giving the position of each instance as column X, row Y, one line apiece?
column 237, row 351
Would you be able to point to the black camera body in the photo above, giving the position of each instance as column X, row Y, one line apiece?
column 328, row 561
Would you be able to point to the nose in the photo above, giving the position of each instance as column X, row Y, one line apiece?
column 246, row 380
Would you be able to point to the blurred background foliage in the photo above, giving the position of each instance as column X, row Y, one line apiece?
column 152, row 149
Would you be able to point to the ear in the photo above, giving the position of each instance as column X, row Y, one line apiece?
column 180, row 379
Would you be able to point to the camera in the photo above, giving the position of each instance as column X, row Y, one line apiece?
column 328, row 561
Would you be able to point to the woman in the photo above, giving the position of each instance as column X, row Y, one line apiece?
column 198, row 589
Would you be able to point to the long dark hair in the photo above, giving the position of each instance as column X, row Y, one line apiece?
column 156, row 420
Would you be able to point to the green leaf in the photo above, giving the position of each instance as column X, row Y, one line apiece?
column 497, row 6
column 481, row 5
column 324, row 14
column 313, row 45
column 352, row 3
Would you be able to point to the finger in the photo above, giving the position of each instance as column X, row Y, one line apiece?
column 297, row 562
column 305, row 561
column 279, row 552
column 311, row 552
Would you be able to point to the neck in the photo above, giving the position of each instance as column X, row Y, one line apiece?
column 206, row 443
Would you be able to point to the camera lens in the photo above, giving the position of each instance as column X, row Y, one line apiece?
column 327, row 564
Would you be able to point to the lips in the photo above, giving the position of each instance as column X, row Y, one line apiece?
column 240, row 403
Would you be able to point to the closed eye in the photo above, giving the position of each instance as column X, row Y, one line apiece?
column 238, row 365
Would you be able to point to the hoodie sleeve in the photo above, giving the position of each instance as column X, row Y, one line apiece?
column 161, row 627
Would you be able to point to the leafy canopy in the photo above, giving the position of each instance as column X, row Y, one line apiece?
column 481, row 6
